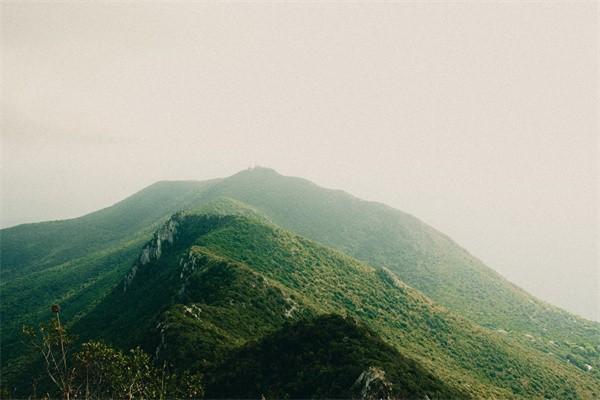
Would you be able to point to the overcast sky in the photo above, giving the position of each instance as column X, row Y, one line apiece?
column 480, row 118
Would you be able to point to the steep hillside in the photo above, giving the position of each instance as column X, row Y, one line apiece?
column 206, row 284
column 421, row 256
column 77, row 262
column 326, row 357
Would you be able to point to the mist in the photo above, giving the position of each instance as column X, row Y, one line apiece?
column 479, row 118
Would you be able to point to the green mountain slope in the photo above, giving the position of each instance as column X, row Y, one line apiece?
column 76, row 262
column 423, row 257
column 323, row 358
column 207, row 284
column 33, row 247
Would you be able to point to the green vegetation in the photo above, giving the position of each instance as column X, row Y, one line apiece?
column 76, row 262
column 333, row 282
column 421, row 256
column 98, row 371
column 227, row 280
column 466, row 325
column 320, row 358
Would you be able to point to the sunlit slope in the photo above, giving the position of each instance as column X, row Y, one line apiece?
column 220, row 281
column 423, row 258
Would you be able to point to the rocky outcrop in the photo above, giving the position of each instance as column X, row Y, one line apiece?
column 188, row 265
column 154, row 248
column 161, row 327
column 372, row 385
column 288, row 313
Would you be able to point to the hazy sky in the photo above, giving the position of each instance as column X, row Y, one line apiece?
column 480, row 118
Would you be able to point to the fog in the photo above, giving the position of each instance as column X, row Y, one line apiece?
column 479, row 118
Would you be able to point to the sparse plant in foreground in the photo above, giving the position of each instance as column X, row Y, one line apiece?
column 98, row 371
column 53, row 343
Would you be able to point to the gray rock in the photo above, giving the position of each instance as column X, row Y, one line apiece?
column 372, row 385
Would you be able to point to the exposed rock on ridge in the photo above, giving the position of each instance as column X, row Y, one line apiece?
column 153, row 249
column 372, row 385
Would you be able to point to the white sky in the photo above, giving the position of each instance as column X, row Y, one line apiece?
column 481, row 118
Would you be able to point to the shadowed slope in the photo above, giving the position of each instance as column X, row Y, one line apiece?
column 322, row 358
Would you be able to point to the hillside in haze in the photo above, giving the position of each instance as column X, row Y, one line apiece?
column 219, row 276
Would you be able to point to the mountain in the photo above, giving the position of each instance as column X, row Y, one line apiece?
column 208, row 283
column 77, row 262
column 29, row 248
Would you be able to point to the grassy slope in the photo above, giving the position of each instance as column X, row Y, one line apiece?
column 423, row 258
column 316, row 280
column 75, row 261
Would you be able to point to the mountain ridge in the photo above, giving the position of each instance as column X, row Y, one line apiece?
column 81, row 261
column 239, row 237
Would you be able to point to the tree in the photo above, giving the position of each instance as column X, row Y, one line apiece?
column 98, row 371
column 53, row 343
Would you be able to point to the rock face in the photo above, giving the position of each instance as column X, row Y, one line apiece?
column 372, row 385
column 153, row 249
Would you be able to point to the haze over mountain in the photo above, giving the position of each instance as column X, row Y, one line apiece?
column 427, row 226
column 473, row 117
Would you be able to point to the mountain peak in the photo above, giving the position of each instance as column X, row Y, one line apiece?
column 258, row 170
